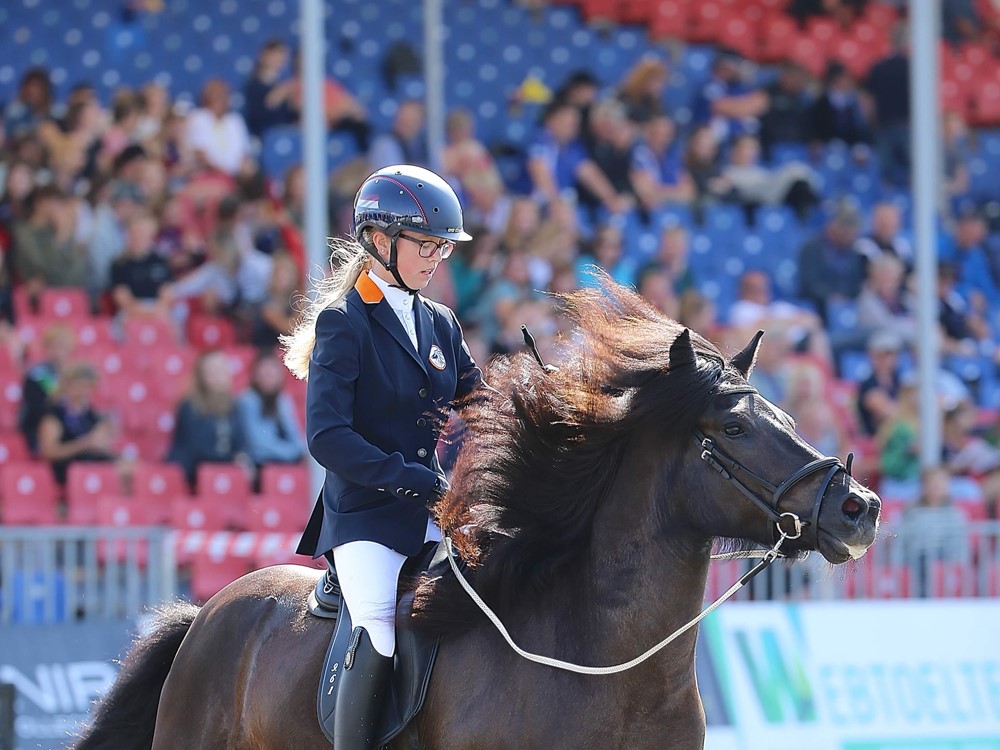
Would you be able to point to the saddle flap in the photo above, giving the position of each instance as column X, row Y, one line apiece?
column 414, row 663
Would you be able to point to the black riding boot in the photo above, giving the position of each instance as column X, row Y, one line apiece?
column 363, row 689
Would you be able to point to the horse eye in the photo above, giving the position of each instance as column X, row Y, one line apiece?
column 732, row 430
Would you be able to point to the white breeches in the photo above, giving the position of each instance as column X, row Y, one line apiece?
column 369, row 574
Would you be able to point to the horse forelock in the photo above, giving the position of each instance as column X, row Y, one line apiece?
column 541, row 450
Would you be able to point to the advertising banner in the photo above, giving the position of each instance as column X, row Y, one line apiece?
column 894, row 675
column 57, row 672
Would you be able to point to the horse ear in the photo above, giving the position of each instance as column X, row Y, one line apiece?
column 681, row 351
column 747, row 357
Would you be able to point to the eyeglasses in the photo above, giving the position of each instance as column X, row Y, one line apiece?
column 427, row 248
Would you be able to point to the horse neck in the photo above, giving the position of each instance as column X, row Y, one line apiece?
column 645, row 571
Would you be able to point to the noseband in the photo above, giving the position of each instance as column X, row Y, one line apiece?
column 787, row 523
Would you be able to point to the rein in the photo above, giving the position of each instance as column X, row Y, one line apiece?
column 768, row 557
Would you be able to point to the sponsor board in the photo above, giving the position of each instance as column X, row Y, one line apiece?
column 899, row 675
column 58, row 671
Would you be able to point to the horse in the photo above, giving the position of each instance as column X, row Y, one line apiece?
column 586, row 500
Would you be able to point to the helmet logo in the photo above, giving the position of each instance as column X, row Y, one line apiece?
column 368, row 203
column 436, row 358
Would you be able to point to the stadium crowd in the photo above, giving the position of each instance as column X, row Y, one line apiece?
column 142, row 244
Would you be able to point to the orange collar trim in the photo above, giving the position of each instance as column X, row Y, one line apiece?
column 368, row 289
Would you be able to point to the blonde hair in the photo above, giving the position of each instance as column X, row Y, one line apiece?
column 348, row 260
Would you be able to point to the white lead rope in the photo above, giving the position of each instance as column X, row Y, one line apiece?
column 768, row 556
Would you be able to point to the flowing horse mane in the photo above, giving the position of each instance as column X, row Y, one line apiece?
column 541, row 450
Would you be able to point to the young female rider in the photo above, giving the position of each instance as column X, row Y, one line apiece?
column 383, row 365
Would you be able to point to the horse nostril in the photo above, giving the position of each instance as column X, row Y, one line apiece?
column 854, row 507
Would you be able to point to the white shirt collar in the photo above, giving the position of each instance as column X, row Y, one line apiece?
column 398, row 299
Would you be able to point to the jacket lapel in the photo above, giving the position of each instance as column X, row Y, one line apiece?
column 425, row 328
column 384, row 315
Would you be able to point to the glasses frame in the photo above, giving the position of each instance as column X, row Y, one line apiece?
column 427, row 248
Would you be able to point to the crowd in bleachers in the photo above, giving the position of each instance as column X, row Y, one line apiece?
column 151, row 250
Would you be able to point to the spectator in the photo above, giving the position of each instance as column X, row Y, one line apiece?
column 899, row 446
column 405, row 143
column 217, row 136
column 884, row 238
column 614, row 148
column 701, row 159
column 955, row 134
column 177, row 242
column 792, row 184
column 885, row 303
column 656, row 172
column 464, row 157
column 960, row 21
column 42, row 380
column 671, row 257
column 120, row 203
column 153, row 104
column 18, row 185
column 642, row 90
column 46, row 253
column 878, row 394
column 606, row 252
column 71, row 429
column 729, row 104
column 260, row 110
column 557, row 161
column 208, row 427
column 487, row 203
column 973, row 462
column 817, row 423
column 344, row 113
column 756, row 309
column 276, row 315
column 829, row 267
column 787, row 117
column 933, row 530
column 32, row 106
column 580, row 90
column 845, row 12
column 120, row 134
column 139, row 277
column 965, row 332
column 966, row 249
column 656, row 287
column 837, row 114
column 267, row 414
column 889, row 86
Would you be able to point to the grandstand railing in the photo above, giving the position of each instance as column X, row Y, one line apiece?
column 960, row 560
column 65, row 574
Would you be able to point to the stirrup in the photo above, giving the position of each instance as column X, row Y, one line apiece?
column 324, row 599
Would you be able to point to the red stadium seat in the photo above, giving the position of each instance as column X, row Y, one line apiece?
column 170, row 369
column 157, row 485
column 669, row 20
column 285, row 480
column 10, row 400
column 93, row 332
column 808, row 53
column 192, row 514
column 707, row 20
column 240, row 365
column 86, row 484
column 28, row 494
column 211, row 573
column 13, row 448
column 149, row 332
column 948, row 579
column 64, row 304
column 777, row 30
column 740, row 34
column 226, row 486
column 278, row 513
column 206, row 332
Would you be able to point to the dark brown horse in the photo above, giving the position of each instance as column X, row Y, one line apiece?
column 586, row 501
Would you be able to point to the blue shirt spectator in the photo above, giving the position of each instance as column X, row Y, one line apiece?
column 272, row 432
column 728, row 103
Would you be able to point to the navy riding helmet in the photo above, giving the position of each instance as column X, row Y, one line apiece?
column 401, row 197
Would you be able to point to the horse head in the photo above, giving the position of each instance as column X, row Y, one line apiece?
column 765, row 479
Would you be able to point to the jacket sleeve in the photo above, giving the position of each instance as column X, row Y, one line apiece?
column 334, row 369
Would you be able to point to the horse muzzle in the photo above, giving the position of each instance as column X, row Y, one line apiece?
column 847, row 523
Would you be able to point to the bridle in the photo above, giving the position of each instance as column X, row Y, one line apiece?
column 786, row 523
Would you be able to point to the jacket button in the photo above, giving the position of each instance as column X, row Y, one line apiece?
column 421, row 422
column 422, row 393
column 422, row 452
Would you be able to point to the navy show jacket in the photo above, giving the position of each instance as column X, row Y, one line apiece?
column 374, row 410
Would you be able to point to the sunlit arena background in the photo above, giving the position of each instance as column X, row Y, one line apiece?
column 167, row 179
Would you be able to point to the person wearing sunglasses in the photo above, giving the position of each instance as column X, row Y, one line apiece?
column 384, row 365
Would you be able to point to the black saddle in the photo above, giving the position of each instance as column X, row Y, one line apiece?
column 414, row 660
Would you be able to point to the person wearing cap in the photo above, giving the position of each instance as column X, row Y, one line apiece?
column 879, row 392
column 830, row 268
column 383, row 365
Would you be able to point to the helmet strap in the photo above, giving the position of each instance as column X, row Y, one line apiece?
column 391, row 266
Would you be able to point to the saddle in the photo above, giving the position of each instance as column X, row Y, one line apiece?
column 414, row 660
